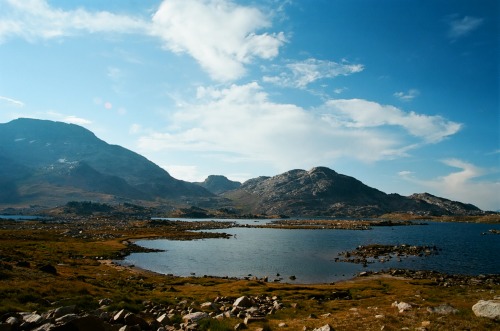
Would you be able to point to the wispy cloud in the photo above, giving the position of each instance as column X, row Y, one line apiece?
column 219, row 34
column 300, row 74
column 52, row 115
column 36, row 19
column 462, row 26
column 464, row 185
column 11, row 101
column 287, row 136
column 407, row 96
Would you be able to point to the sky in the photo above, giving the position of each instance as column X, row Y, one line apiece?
column 400, row 94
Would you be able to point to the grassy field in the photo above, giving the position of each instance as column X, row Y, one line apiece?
column 81, row 252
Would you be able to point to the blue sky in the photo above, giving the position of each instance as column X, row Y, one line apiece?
column 403, row 95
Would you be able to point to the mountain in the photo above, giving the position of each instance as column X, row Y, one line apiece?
column 219, row 184
column 48, row 162
column 324, row 192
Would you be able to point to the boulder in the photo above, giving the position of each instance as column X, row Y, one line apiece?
column 487, row 308
column 61, row 311
column 325, row 327
column 243, row 302
column 132, row 319
column 195, row 317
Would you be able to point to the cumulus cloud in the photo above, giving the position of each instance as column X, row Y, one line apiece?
column 359, row 113
column 300, row 74
column 221, row 35
column 36, row 19
column 407, row 96
column 463, row 185
column 241, row 123
column 460, row 27
column 11, row 101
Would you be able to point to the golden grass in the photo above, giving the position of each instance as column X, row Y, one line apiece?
column 84, row 276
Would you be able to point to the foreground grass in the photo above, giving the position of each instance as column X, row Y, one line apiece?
column 80, row 252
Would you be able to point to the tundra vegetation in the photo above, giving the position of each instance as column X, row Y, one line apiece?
column 69, row 261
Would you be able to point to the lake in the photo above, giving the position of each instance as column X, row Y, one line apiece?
column 309, row 254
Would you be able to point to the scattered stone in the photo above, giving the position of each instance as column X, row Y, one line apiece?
column 105, row 302
column 325, row 327
column 379, row 316
column 444, row 309
column 195, row 317
column 282, row 325
column 240, row 326
column 487, row 308
column 401, row 306
column 48, row 268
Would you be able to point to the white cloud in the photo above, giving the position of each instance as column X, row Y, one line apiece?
column 299, row 74
column 408, row 96
column 52, row 115
column 219, row 34
column 463, row 185
column 11, row 101
column 460, row 27
column 36, row 19
column 241, row 124
column 358, row 113
column 185, row 172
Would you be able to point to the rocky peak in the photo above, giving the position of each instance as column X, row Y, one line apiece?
column 218, row 184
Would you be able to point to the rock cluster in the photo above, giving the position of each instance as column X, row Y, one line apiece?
column 183, row 316
column 383, row 253
column 440, row 279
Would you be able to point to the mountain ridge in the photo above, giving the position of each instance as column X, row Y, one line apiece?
column 53, row 152
column 46, row 162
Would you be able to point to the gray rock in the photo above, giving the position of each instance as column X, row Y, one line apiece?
column 487, row 308
column 195, row 317
column 163, row 319
column 132, row 319
column 120, row 316
column 325, row 327
column 45, row 327
column 66, row 318
column 444, row 309
column 243, row 302
column 33, row 319
column 61, row 311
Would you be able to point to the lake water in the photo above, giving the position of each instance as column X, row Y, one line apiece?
column 309, row 254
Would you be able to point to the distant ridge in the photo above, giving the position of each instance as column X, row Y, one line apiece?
column 60, row 161
column 323, row 192
column 49, row 163
column 218, row 184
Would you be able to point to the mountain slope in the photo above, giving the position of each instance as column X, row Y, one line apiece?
column 60, row 154
column 219, row 184
column 323, row 192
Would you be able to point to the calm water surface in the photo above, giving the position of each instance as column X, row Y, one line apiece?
column 309, row 254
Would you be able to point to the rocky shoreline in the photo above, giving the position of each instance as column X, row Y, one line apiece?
column 383, row 253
